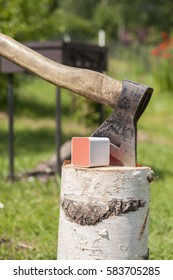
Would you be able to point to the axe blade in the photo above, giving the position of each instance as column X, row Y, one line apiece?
column 121, row 126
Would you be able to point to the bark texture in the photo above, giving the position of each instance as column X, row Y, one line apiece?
column 104, row 213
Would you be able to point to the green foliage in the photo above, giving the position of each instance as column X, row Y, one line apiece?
column 84, row 9
column 107, row 18
column 10, row 17
column 77, row 27
column 39, row 20
column 25, row 20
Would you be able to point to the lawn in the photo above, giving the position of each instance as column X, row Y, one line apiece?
column 30, row 208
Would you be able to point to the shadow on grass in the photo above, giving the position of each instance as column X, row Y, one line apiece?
column 161, row 174
column 28, row 141
column 42, row 140
column 35, row 109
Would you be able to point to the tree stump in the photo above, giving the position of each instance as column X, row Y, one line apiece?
column 104, row 213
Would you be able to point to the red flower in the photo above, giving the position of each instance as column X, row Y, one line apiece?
column 165, row 35
column 165, row 48
column 155, row 51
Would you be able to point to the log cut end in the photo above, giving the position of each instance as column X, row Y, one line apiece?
column 67, row 164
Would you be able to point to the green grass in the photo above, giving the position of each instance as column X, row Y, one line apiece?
column 29, row 219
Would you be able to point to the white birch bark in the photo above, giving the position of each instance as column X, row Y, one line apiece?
column 104, row 213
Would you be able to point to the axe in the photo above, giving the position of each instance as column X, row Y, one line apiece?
column 129, row 99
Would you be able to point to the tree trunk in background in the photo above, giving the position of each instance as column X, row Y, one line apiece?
column 104, row 213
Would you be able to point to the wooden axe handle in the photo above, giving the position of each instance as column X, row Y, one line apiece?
column 94, row 85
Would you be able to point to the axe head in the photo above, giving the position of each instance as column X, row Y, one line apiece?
column 121, row 126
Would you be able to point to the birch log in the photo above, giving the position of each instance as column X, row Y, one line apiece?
column 104, row 213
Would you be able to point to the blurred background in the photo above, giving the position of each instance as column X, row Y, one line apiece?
column 139, row 40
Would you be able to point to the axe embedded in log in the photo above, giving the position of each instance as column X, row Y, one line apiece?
column 128, row 99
